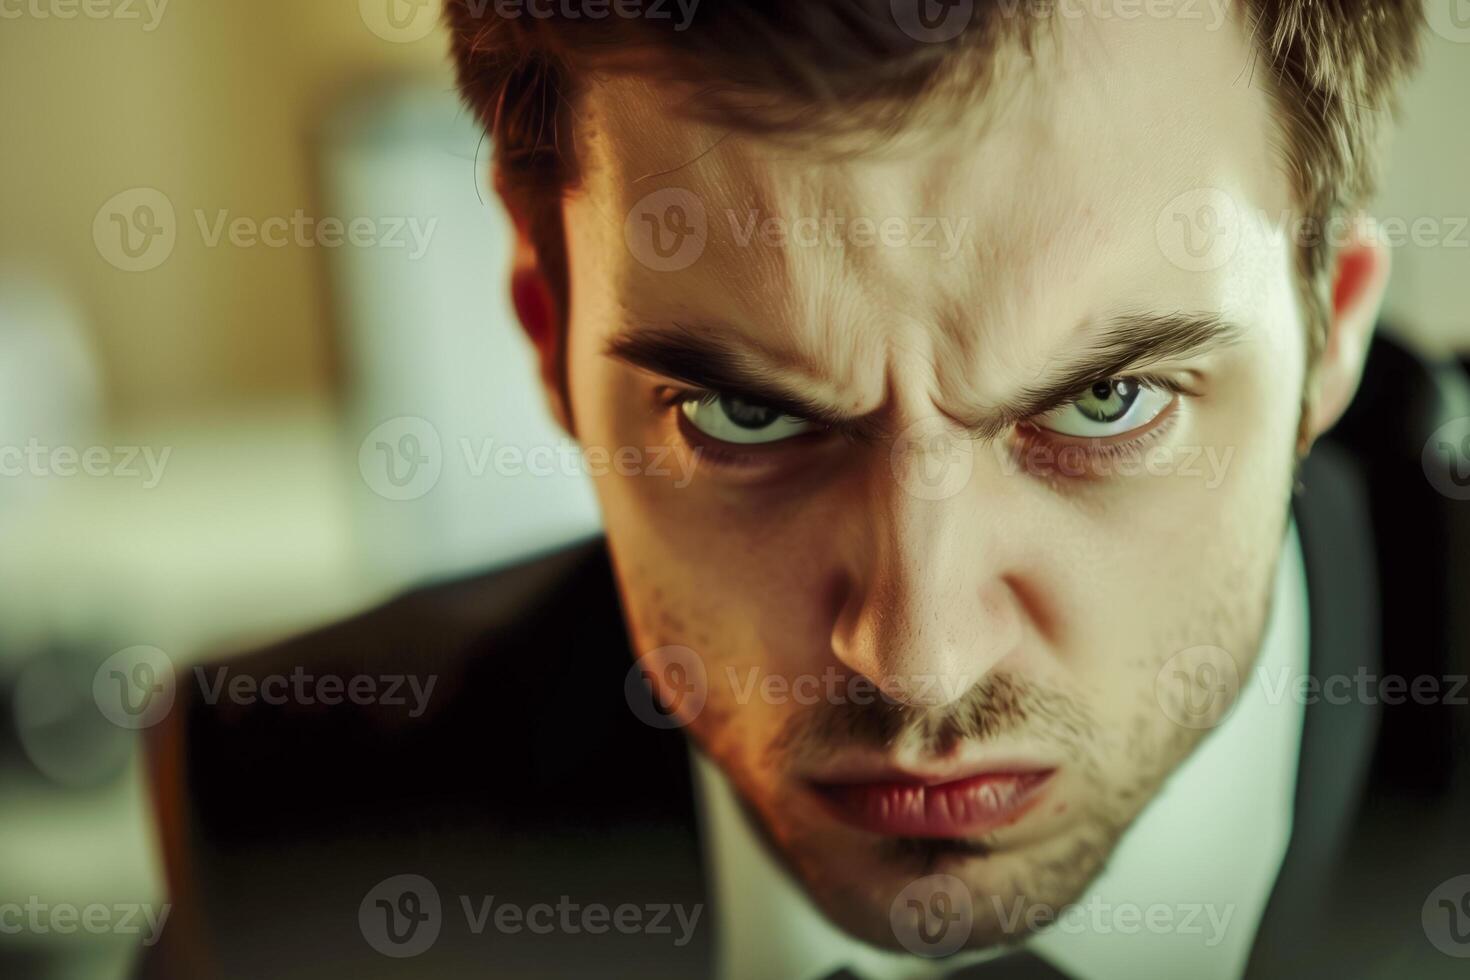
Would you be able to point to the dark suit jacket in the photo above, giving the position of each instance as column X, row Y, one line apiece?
column 529, row 778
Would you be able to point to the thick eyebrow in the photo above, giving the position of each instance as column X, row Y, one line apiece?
column 707, row 358
column 1125, row 344
column 716, row 360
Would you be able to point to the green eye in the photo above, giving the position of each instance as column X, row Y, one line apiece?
column 735, row 420
column 1112, row 407
column 1108, row 401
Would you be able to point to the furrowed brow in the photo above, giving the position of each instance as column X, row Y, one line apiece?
column 1125, row 344
column 702, row 358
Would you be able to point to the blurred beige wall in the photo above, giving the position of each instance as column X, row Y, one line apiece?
column 1428, row 177
column 215, row 104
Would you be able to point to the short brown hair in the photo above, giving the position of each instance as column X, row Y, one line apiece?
column 764, row 66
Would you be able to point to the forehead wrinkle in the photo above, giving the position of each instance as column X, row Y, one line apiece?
column 839, row 308
column 996, row 325
column 1000, row 304
column 830, row 305
column 800, row 306
column 993, row 305
column 842, row 328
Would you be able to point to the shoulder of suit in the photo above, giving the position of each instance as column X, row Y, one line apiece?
column 429, row 704
column 1402, row 440
column 444, row 627
column 497, row 758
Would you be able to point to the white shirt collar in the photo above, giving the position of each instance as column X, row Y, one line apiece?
column 1182, row 895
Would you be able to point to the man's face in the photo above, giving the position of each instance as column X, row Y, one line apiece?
column 1035, row 452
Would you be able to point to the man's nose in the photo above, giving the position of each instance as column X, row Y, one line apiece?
column 927, row 610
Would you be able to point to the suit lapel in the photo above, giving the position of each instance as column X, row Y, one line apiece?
column 1333, row 522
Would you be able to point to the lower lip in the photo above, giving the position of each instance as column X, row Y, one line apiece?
column 962, row 808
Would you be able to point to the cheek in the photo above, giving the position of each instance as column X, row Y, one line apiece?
column 736, row 576
column 757, row 637
column 739, row 585
column 1158, row 564
column 746, row 590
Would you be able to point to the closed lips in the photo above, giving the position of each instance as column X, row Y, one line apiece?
column 968, row 806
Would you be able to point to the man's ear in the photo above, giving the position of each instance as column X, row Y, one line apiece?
column 539, row 311
column 1359, row 278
